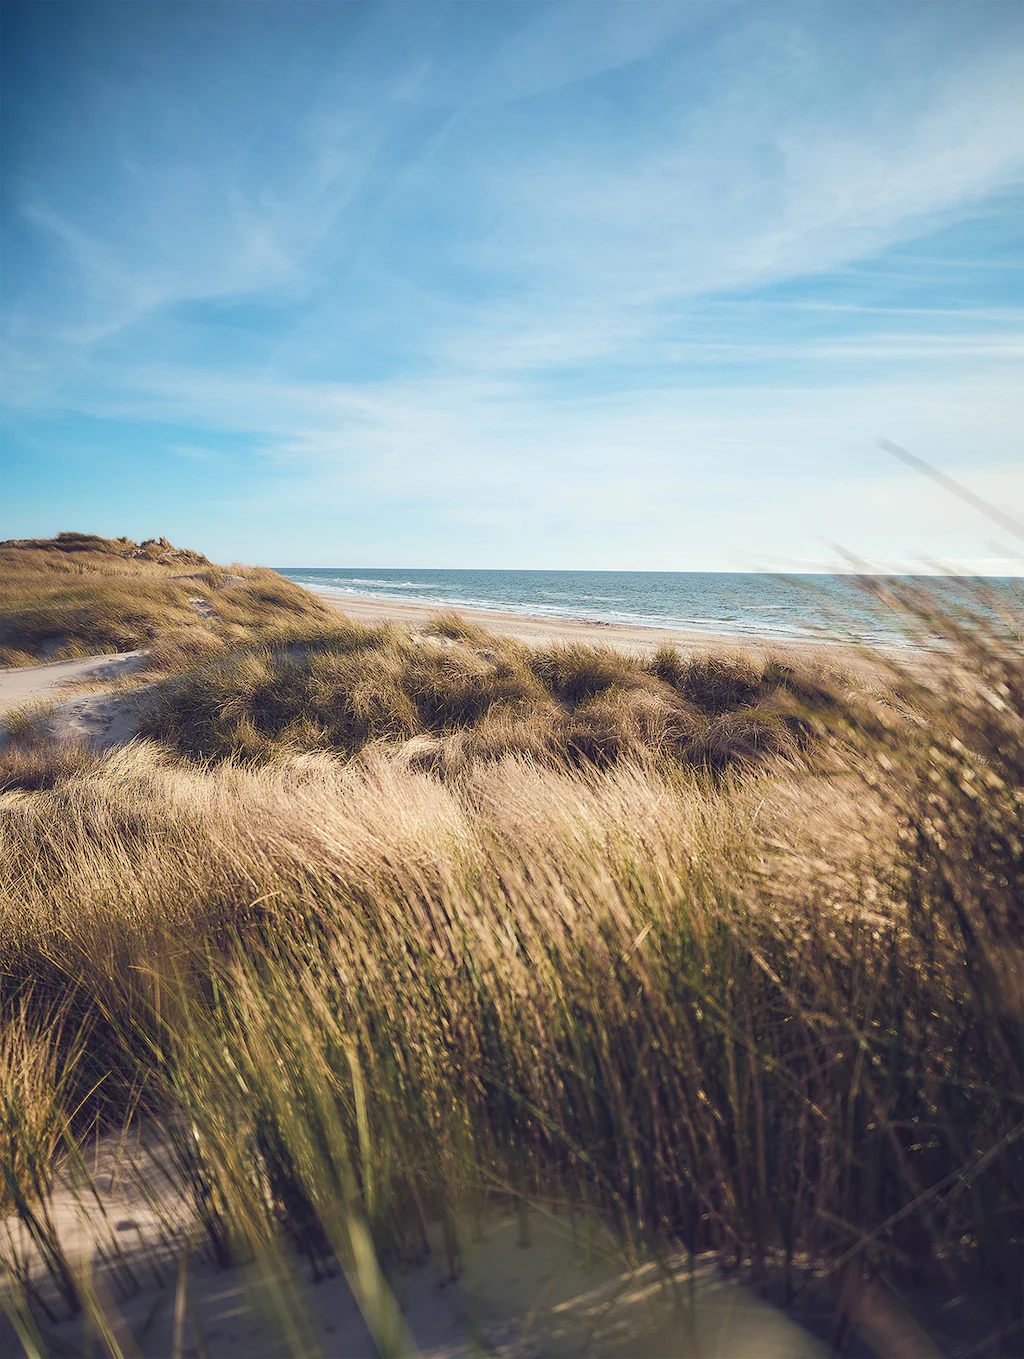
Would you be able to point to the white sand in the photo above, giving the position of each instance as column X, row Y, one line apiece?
column 30, row 683
column 567, row 1292
column 100, row 718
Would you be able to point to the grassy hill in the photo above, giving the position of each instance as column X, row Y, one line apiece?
column 79, row 594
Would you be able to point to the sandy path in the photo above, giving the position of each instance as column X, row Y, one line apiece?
column 30, row 682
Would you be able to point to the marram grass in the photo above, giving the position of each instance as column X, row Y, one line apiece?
column 769, row 1008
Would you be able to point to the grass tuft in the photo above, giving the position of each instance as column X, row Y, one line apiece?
column 568, row 705
column 31, row 764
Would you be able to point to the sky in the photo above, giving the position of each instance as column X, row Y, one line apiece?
column 573, row 284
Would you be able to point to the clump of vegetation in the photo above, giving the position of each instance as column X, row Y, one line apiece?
column 458, row 628
column 79, row 595
column 349, row 686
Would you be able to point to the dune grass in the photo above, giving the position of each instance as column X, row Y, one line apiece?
column 481, row 697
column 79, row 596
column 383, row 946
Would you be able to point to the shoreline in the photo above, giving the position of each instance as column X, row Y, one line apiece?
column 534, row 628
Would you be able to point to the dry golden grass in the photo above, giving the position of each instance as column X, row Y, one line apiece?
column 32, row 762
column 763, row 1005
column 478, row 697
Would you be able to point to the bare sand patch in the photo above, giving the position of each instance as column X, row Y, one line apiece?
column 551, row 1284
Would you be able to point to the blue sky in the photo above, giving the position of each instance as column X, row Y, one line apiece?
column 506, row 284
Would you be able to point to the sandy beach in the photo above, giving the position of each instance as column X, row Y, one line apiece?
column 530, row 628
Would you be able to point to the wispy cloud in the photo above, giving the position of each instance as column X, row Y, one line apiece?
column 562, row 271
column 658, row 477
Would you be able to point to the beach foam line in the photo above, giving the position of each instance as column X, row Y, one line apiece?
column 766, row 633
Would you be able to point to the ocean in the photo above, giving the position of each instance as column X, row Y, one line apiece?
column 784, row 608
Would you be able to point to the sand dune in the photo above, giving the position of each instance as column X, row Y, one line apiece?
column 106, row 719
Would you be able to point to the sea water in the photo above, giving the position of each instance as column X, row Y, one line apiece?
column 783, row 608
